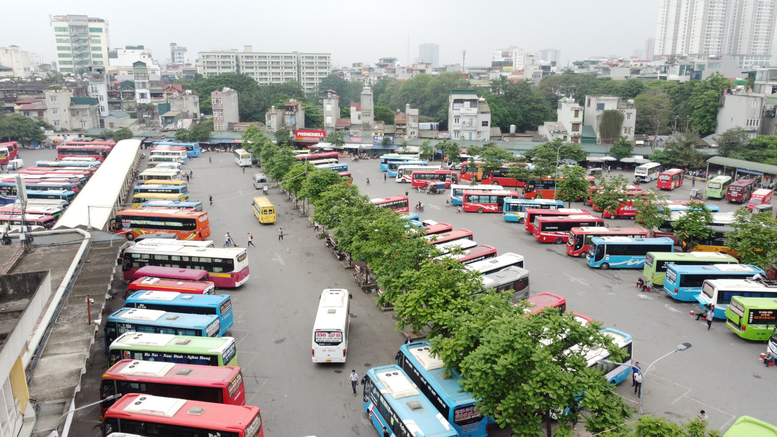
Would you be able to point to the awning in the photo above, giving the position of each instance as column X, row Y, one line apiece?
column 742, row 165
column 635, row 160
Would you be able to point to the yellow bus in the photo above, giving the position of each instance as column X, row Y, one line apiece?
column 138, row 199
column 183, row 184
column 264, row 210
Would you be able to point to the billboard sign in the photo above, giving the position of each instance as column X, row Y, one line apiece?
column 311, row 136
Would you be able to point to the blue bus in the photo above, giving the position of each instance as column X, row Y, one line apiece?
column 515, row 209
column 66, row 163
column 410, row 216
column 218, row 305
column 393, row 401
column 624, row 252
column 159, row 322
column 65, row 195
column 338, row 167
column 683, row 282
column 719, row 292
column 192, row 149
column 455, row 405
column 161, row 188
column 195, row 205
column 615, row 373
column 682, row 206
column 384, row 160
column 394, row 165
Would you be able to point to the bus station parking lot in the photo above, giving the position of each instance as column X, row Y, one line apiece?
column 274, row 313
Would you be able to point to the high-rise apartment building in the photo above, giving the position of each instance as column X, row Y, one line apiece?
column 16, row 59
column 79, row 41
column 551, row 55
column 177, row 54
column 430, row 54
column 650, row 48
column 309, row 69
column 509, row 57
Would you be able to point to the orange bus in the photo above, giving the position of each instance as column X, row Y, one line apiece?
column 185, row 223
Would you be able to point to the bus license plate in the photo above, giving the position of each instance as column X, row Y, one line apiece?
column 328, row 361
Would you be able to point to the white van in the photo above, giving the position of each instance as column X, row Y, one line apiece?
column 260, row 180
column 330, row 330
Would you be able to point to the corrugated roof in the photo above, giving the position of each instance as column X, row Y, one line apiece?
column 739, row 163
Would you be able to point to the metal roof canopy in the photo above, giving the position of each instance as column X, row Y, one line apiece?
column 747, row 165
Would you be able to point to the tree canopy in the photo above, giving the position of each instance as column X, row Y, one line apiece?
column 21, row 129
column 754, row 238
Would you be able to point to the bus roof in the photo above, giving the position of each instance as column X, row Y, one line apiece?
column 171, row 373
column 200, row 414
column 210, row 344
column 709, row 268
column 757, row 302
column 166, row 318
column 544, row 300
column 420, row 352
column 720, row 178
column 747, row 426
column 174, row 297
column 172, row 272
column 706, row 256
column 171, row 285
column 601, row 230
column 738, row 284
column 509, row 274
column 649, row 165
column 635, row 240
column 169, row 212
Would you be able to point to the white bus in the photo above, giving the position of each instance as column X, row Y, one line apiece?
column 242, row 158
column 461, row 244
column 330, row 331
column 498, row 263
column 180, row 154
column 718, row 292
column 404, row 172
column 156, row 160
column 647, row 172
column 163, row 174
column 457, row 191
column 514, row 279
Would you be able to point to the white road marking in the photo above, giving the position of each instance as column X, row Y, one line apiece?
column 577, row 280
column 643, row 296
column 277, row 257
column 669, row 307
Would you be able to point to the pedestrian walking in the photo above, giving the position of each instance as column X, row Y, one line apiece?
column 191, row 173
column 693, row 182
column 210, row 198
column 227, row 240
column 280, row 234
column 316, row 226
column 458, row 210
column 250, row 240
column 384, row 178
column 210, row 160
column 638, row 384
column 710, row 316
column 447, row 203
column 244, row 169
column 406, row 193
column 634, row 370
column 368, row 181
column 231, row 241
column 354, row 378
column 703, row 416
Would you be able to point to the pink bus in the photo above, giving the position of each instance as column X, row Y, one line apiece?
column 169, row 273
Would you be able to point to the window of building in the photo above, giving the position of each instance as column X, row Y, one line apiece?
column 62, row 40
column 575, row 127
column 52, row 98
column 456, row 120
column 56, row 123
column 484, row 123
column 65, row 62
column 577, row 113
column 95, row 41
column 95, row 30
column 97, row 55
column 63, row 47
column 64, row 55
column 628, row 116
column 83, row 124
column 54, row 111
column 600, row 106
column 328, row 107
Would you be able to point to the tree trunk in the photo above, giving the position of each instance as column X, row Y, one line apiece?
column 547, row 425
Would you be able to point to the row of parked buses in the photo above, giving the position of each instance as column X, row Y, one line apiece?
column 170, row 358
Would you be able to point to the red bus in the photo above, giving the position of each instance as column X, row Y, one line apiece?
column 83, row 151
column 8, row 152
column 170, row 273
column 471, row 170
column 394, row 203
column 544, row 300
column 347, row 176
column 151, row 283
column 110, row 144
column 420, row 178
column 45, row 221
column 481, row 201
column 186, row 224
column 629, row 189
column 741, row 190
column 222, row 385
column 533, row 213
column 556, row 229
column 144, row 414
column 437, row 228
column 474, row 254
column 545, row 188
column 670, row 179
column 625, row 209
column 450, row 236
column 579, row 238
column 319, row 156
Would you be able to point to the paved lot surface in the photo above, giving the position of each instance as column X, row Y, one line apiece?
column 275, row 310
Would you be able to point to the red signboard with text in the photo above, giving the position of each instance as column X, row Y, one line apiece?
column 312, row 136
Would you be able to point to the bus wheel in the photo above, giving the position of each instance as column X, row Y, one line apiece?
column 495, row 183
column 559, row 240
column 605, row 266
column 480, row 210
column 582, row 254
column 129, row 236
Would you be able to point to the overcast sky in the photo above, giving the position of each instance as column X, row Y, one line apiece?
column 352, row 31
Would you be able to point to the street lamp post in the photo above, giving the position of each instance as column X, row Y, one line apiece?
column 680, row 347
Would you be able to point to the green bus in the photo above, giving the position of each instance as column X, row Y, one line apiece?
column 208, row 351
column 752, row 318
column 654, row 270
column 718, row 186
column 747, row 426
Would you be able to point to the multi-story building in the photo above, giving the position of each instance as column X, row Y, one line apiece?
column 266, row 68
column 65, row 112
column 331, row 110
column 650, row 48
column 291, row 117
column 570, row 115
column 36, row 61
column 225, row 109
column 469, row 117
column 17, row 60
column 511, row 56
column 412, row 123
column 79, row 41
column 742, row 109
column 367, row 108
column 551, row 55
column 142, row 82
column 177, row 54
column 429, row 53
column 187, row 102
column 594, row 109
column 98, row 88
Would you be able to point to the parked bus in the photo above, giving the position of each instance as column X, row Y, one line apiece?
column 545, row 188
column 580, row 238
column 51, row 185
column 337, row 166
column 421, row 178
column 8, row 152
column 747, row 426
column 555, row 229
column 172, row 286
column 630, row 189
column 626, row 208
column 445, row 237
column 221, row 385
column 145, row 414
column 670, row 179
column 719, row 292
column 69, row 162
column 155, row 160
column 330, row 330
column 714, row 243
column 514, row 210
column 310, row 157
column 457, row 191
column 136, row 320
column 480, row 202
column 393, row 166
column 741, row 190
column 405, row 171
column 169, row 150
column 242, row 158
column 614, row 372
column 540, row 302
column 461, row 244
column 226, row 267
column 384, row 159
column 752, row 318
column 196, row 205
column 473, row 170
column 436, row 228
column 682, row 205
column 472, row 255
column 169, row 273
column 394, row 203
column 533, row 213
column 44, row 221
column 624, row 252
column 498, row 263
column 264, row 211
column 192, row 149
column 53, row 211
column 211, row 305
column 138, row 199
column 180, row 183
column 761, row 196
column 65, row 195
column 167, row 174
column 443, row 390
column 656, row 264
column 393, row 401
column 512, row 279
column 717, row 187
column 683, row 282
column 160, row 188
column 96, row 151
column 647, row 172
column 208, row 351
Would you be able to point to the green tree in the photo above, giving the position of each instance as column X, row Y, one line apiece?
column 621, row 148
column 348, row 92
column 649, row 426
column 573, row 185
column 611, row 193
column 295, row 178
column 704, row 103
column 610, row 125
column 450, row 149
column 732, row 141
column 680, row 151
column 183, row 135
column 693, row 225
column 314, row 116
column 105, row 134
column 21, row 129
column 43, row 124
column 254, row 140
column 493, row 157
column 386, row 141
column 654, row 109
column 384, row 114
column 520, row 104
column 754, row 238
column 427, row 149
column 283, row 138
column 317, row 183
column 200, row 132
column 279, row 164
column 336, row 139
column 335, row 204
column 544, row 156
column 122, row 134
column 239, row 82
column 652, row 210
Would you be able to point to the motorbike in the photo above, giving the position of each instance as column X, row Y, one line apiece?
column 419, row 207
